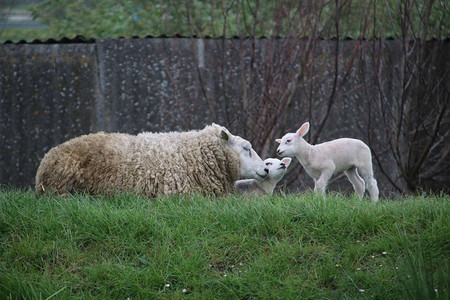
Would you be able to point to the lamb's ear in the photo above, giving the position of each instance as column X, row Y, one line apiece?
column 303, row 129
column 278, row 141
column 224, row 135
column 287, row 161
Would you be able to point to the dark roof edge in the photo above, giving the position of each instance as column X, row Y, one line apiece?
column 79, row 39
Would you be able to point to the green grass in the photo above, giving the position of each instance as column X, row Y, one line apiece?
column 280, row 247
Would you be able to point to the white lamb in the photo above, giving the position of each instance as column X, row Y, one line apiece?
column 207, row 161
column 323, row 160
column 277, row 169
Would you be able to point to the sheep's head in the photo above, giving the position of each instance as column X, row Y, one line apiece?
column 277, row 168
column 251, row 165
column 290, row 141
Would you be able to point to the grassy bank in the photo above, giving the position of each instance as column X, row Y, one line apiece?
column 280, row 247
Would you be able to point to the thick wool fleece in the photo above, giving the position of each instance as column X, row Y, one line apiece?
column 150, row 164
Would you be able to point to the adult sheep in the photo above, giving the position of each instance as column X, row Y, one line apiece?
column 207, row 161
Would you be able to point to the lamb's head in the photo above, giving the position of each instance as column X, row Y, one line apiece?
column 290, row 142
column 251, row 165
column 277, row 168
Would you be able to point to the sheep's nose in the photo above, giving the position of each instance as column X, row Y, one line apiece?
column 266, row 170
column 279, row 152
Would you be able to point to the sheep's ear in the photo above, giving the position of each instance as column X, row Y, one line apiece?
column 303, row 130
column 287, row 161
column 217, row 126
column 278, row 141
column 224, row 135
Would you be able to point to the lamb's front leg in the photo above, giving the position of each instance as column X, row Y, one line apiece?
column 322, row 182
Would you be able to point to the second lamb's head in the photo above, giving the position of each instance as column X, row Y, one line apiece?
column 277, row 168
column 290, row 142
column 251, row 165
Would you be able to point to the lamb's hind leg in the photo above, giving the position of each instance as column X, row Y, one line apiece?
column 371, row 183
column 356, row 180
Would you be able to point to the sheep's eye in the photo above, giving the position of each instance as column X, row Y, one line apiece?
column 288, row 141
column 268, row 164
column 249, row 151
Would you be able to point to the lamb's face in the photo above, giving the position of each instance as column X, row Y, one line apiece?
column 251, row 165
column 277, row 168
column 290, row 142
column 287, row 145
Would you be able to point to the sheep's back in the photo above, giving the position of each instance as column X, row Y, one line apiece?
column 88, row 163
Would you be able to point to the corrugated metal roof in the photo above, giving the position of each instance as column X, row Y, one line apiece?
column 79, row 39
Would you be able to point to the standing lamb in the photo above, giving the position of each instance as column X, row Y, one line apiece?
column 323, row 160
column 277, row 169
column 208, row 161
